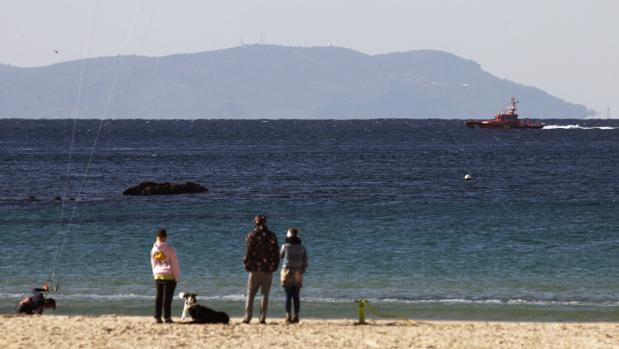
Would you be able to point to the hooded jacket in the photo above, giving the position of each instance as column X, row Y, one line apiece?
column 293, row 255
column 164, row 262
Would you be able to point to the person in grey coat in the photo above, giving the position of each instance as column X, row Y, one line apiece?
column 294, row 264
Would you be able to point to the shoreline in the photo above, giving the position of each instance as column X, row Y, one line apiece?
column 425, row 311
column 60, row 331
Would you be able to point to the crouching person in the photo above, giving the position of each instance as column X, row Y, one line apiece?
column 36, row 303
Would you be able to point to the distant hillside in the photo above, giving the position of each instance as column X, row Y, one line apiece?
column 265, row 81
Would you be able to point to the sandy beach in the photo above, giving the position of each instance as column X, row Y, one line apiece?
column 142, row 332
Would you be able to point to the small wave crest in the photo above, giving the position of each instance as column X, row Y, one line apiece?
column 241, row 298
column 515, row 301
column 577, row 127
column 120, row 297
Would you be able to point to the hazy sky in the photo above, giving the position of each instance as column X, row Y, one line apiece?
column 570, row 48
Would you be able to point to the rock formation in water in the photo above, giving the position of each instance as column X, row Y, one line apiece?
column 31, row 198
column 152, row 188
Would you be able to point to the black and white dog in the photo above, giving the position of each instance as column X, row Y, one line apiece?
column 201, row 314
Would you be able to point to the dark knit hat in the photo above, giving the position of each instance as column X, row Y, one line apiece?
column 260, row 220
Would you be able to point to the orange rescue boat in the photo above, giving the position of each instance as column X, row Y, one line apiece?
column 507, row 118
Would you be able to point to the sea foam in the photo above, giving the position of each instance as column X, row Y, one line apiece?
column 576, row 127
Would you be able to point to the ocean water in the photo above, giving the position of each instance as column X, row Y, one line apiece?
column 381, row 205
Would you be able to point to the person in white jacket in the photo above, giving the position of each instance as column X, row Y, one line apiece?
column 166, row 273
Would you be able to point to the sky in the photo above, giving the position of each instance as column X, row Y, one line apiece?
column 568, row 48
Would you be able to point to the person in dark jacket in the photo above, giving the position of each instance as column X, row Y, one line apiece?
column 294, row 264
column 261, row 260
column 36, row 303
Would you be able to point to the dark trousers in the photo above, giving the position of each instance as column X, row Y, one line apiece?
column 292, row 296
column 165, row 293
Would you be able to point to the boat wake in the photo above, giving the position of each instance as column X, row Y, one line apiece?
column 576, row 127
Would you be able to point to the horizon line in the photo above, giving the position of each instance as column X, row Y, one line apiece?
column 285, row 119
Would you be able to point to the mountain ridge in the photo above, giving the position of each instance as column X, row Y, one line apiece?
column 270, row 81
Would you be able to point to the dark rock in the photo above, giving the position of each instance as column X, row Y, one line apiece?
column 58, row 199
column 152, row 188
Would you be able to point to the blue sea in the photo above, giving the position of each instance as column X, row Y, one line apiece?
column 381, row 205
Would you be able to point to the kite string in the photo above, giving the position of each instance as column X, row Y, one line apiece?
column 95, row 142
column 86, row 48
column 110, row 94
column 79, row 99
